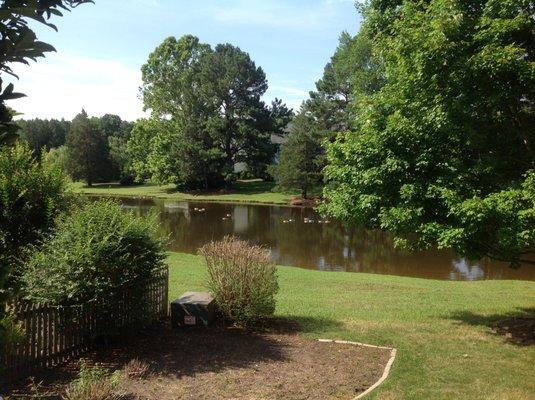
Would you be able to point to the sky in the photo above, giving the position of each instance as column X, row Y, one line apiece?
column 101, row 48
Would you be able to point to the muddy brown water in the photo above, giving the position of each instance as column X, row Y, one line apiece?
column 300, row 237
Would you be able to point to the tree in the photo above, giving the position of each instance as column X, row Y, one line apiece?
column 46, row 134
column 233, row 85
column 18, row 44
column 351, row 73
column 56, row 158
column 212, row 98
column 87, row 150
column 117, row 132
column 444, row 154
column 301, row 157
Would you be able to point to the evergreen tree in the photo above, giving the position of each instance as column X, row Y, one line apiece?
column 87, row 151
column 301, row 158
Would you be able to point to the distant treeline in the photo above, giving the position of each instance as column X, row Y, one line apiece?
column 86, row 148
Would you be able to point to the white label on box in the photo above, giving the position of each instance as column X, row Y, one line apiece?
column 189, row 320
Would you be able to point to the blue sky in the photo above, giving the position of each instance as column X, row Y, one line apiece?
column 101, row 47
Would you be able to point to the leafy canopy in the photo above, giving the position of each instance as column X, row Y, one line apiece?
column 208, row 103
column 444, row 153
column 92, row 253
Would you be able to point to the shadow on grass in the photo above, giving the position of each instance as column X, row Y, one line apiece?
column 240, row 188
column 516, row 328
column 294, row 324
column 115, row 185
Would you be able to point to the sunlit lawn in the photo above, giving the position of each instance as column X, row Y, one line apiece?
column 253, row 191
column 442, row 330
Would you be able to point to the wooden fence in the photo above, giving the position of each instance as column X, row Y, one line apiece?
column 52, row 335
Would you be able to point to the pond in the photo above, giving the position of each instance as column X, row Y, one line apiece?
column 300, row 237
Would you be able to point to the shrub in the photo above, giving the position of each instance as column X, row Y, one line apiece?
column 93, row 383
column 92, row 255
column 31, row 196
column 135, row 369
column 242, row 279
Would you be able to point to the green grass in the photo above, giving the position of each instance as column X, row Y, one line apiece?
column 252, row 191
column 442, row 330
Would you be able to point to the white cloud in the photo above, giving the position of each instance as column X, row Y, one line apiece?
column 61, row 85
column 279, row 14
column 293, row 97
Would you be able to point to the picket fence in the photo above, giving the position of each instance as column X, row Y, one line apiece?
column 52, row 335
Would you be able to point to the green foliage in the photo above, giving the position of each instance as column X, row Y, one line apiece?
column 93, row 383
column 91, row 255
column 443, row 153
column 19, row 44
column 56, row 158
column 242, row 279
column 31, row 196
column 301, row 157
column 352, row 72
column 88, row 154
column 206, row 115
column 138, row 147
column 46, row 134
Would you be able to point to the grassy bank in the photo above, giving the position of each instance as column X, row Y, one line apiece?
column 254, row 191
column 447, row 348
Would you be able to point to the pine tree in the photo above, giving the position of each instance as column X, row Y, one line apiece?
column 87, row 150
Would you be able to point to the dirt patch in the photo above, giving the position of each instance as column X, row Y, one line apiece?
column 520, row 330
column 232, row 364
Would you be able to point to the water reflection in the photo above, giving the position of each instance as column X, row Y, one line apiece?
column 299, row 237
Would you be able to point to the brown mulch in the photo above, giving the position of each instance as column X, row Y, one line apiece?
column 221, row 363
column 519, row 330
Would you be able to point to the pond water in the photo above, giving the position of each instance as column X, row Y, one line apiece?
column 299, row 237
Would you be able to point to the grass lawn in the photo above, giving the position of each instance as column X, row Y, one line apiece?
column 447, row 348
column 253, row 191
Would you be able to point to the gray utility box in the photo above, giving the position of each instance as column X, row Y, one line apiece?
column 193, row 309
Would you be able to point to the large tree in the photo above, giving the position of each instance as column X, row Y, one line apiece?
column 88, row 155
column 444, row 153
column 209, row 103
column 351, row 73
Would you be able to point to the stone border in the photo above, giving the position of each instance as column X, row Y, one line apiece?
column 386, row 371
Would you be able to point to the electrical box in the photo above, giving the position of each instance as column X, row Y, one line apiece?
column 193, row 309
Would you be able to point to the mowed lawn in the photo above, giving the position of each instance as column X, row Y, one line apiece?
column 447, row 348
column 252, row 191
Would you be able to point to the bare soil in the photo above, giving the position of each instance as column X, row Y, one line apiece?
column 519, row 330
column 221, row 363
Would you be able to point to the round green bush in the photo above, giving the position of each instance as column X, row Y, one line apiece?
column 92, row 255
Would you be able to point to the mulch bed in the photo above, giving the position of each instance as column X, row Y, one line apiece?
column 220, row 363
